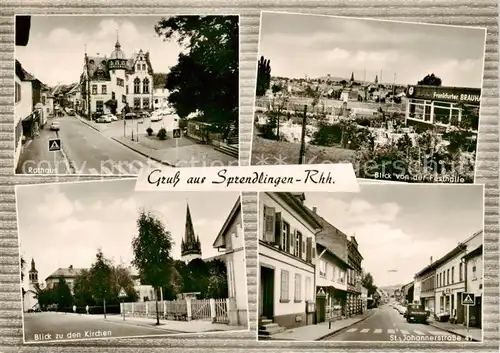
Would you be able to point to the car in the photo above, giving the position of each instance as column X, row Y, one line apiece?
column 416, row 313
column 156, row 117
column 111, row 117
column 54, row 126
column 130, row 116
column 103, row 119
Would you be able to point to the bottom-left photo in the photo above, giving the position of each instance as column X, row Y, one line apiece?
column 100, row 260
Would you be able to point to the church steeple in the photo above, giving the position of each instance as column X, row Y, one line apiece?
column 32, row 275
column 190, row 246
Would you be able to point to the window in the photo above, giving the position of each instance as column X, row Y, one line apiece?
column 298, row 288
column 419, row 109
column 145, row 85
column 442, row 113
column 43, row 100
column 460, row 272
column 94, row 89
column 308, row 288
column 285, row 236
column 138, row 67
column 474, row 272
column 18, row 92
column 99, row 105
column 124, row 98
column 239, row 230
column 126, row 89
column 453, row 275
column 137, row 103
column 145, row 103
column 113, row 95
column 447, row 276
column 269, row 224
column 298, row 243
column 322, row 268
column 341, row 276
column 284, row 285
column 120, row 82
column 137, row 86
column 144, row 67
column 334, row 273
column 156, row 101
column 103, row 89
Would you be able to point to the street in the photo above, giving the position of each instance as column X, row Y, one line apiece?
column 85, row 151
column 49, row 326
column 386, row 324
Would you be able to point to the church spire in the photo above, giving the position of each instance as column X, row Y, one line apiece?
column 190, row 246
column 33, row 268
column 117, row 45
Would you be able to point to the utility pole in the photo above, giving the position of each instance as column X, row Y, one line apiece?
column 303, row 137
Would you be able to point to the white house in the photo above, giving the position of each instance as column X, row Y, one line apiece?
column 474, row 283
column 451, row 278
column 23, row 107
column 287, row 253
column 160, row 98
column 232, row 242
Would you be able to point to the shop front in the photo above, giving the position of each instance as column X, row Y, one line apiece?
column 443, row 107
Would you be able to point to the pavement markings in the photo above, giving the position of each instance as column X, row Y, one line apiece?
column 439, row 333
column 365, row 330
column 352, row 330
column 391, row 331
column 419, row 332
column 404, row 332
column 377, row 330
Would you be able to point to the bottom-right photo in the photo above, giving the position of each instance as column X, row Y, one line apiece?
column 392, row 262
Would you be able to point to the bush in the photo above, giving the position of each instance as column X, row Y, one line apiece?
column 162, row 134
column 149, row 131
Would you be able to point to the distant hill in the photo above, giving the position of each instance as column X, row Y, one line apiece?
column 390, row 289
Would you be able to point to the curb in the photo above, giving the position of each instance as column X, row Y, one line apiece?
column 143, row 154
column 455, row 333
column 87, row 123
column 343, row 328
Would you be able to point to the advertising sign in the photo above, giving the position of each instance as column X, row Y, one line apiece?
column 446, row 94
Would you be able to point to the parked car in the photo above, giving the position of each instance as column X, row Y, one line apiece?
column 156, row 117
column 103, row 119
column 54, row 126
column 416, row 313
column 130, row 116
column 111, row 117
column 70, row 111
column 145, row 114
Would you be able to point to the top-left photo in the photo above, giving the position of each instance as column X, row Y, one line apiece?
column 110, row 95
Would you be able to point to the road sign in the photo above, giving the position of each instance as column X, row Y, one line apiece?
column 122, row 293
column 468, row 299
column 54, row 145
column 177, row 133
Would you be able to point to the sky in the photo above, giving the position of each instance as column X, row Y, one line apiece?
column 56, row 48
column 400, row 226
column 312, row 45
column 65, row 224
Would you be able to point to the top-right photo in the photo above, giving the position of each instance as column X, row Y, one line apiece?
column 398, row 100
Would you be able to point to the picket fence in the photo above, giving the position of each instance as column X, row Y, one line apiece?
column 214, row 310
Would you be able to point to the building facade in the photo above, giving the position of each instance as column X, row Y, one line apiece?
column 354, row 303
column 30, row 301
column 160, row 98
column 231, row 241
column 451, row 278
column 190, row 245
column 69, row 274
column 287, row 256
column 108, row 84
column 473, row 261
column 443, row 107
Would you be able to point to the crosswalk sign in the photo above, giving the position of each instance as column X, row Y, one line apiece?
column 468, row 299
column 177, row 133
column 122, row 293
column 54, row 145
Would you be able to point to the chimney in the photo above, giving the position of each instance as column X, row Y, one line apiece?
column 315, row 209
column 71, row 267
column 431, row 260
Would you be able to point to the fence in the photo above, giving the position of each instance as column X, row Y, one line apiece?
column 214, row 310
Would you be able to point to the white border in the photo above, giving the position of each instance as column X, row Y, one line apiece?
column 164, row 335
column 462, row 342
column 373, row 20
column 148, row 159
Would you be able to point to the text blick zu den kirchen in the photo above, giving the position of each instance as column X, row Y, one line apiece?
column 310, row 176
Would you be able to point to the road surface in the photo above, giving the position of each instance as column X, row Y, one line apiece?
column 50, row 326
column 387, row 324
column 86, row 150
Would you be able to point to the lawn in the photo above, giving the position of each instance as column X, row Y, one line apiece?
column 280, row 152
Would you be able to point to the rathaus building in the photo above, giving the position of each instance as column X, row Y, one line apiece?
column 108, row 83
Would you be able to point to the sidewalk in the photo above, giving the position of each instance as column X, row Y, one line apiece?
column 320, row 331
column 193, row 326
column 92, row 124
column 190, row 155
column 475, row 334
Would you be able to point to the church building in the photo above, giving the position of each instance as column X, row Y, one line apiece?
column 190, row 245
column 109, row 83
column 30, row 301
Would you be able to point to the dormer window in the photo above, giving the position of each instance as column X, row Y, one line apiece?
column 91, row 62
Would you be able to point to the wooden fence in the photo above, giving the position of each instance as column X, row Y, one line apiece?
column 214, row 310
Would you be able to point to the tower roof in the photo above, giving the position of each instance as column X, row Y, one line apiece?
column 190, row 243
column 33, row 268
column 118, row 52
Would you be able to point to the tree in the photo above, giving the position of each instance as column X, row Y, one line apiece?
column 82, row 289
column 199, row 272
column 45, row 296
column 23, row 268
column 62, row 295
column 367, row 282
column 430, row 80
column 263, row 76
column 152, row 248
column 100, row 279
column 217, row 281
column 121, row 278
column 206, row 77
